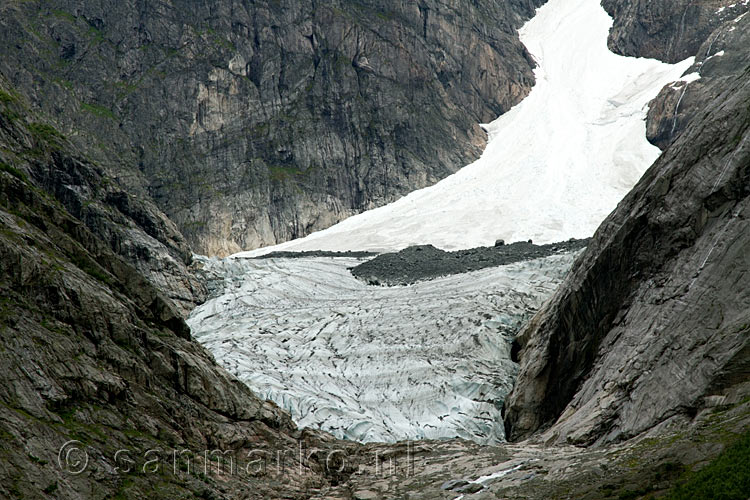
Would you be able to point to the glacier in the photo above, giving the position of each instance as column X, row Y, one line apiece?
column 432, row 360
column 425, row 361
column 555, row 165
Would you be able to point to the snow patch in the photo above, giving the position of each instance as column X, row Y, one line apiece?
column 556, row 164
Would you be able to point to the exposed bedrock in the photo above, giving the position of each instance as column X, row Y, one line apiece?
column 253, row 123
column 653, row 321
column 716, row 33
column 668, row 30
column 93, row 354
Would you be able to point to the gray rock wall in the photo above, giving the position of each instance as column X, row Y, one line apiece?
column 719, row 58
column 653, row 320
column 675, row 30
column 253, row 123
column 94, row 355
column 668, row 30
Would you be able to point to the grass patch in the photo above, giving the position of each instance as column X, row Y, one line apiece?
column 46, row 133
column 37, row 460
column 726, row 478
column 89, row 267
column 122, row 490
column 4, row 167
column 281, row 173
column 96, row 110
column 10, row 114
column 65, row 16
column 96, row 34
column 7, row 98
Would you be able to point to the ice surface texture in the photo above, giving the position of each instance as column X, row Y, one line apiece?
column 430, row 360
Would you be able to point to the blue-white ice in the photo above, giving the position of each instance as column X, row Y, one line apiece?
column 431, row 360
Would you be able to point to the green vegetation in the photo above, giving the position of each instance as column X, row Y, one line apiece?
column 282, row 173
column 38, row 460
column 4, row 167
column 48, row 134
column 90, row 267
column 65, row 16
column 10, row 115
column 96, row 34
column 7, row 98
column 98, row 111
column 385, row 16
column 122, row 491
column 726, row 478
column 66, row 84
column 126, row 88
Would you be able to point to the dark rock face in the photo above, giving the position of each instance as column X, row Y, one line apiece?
column 134, row 229
column 653, row 321
column 92, row 351
column 716, row 33
column 131, row 227
column 718, row 59
column 254, row 123
column 668, row 30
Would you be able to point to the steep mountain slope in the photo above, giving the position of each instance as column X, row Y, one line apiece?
column 643, row 351
column 132, row 227
column 251, row 123
column 95, row 359
column 668, row 30
column 556, row 165
column 652, row 323
column 718, row 60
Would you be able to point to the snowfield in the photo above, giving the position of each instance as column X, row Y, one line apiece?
column 556, row 164
column 430, row 360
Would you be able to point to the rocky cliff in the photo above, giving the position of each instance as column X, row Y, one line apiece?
column 714, row 33
column 668, row 30
column 253, row 123
column 94, row 355
column 131, row 227
column 652, row 323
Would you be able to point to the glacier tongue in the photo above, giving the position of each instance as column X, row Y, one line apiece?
column 430, row 360
column 556, row 164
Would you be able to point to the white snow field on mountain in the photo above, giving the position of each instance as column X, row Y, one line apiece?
column 432, row 360
column 555, row 165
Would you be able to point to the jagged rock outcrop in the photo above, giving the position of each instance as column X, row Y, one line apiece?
column 133, row 228
column 668, row 30
column 716, row 33
column 653, row 322
column 254, row 123
column 718, row 59
column 92, row 354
